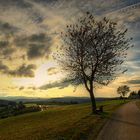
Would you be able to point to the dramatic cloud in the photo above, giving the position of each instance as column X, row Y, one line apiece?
column 38, row 38
column 15, row 3
column 22, row 71
column 27, row 88
column 61, row 84
column 6, row 50
column 22, row 41
column 29, row 32
column 36, row 45
column 135, row 82
column 35, row 51
column 6, row 28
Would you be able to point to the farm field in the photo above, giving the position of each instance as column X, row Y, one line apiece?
column 69, row 122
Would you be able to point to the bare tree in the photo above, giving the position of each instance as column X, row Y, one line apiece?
column 92, row 52
column 123, row 90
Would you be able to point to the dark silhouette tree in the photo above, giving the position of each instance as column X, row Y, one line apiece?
column 139, row 93
column 92, row 52
column 133, row 93
column 123, row 90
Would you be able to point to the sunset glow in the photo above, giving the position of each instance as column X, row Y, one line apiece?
column 30, row 33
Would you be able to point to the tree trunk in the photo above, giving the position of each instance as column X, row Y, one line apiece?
column 91, row 93
column 124, row 99
column 93, row 102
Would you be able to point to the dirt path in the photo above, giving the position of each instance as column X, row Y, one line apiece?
column 123, row 125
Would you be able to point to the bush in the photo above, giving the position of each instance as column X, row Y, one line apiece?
column 16, row 110
column 27, row 110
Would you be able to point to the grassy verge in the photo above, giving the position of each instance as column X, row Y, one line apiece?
column 71, row 122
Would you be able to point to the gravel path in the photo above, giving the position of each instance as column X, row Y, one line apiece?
column 123, row 125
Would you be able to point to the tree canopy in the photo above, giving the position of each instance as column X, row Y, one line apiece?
column 123, row 90
column 93, row 51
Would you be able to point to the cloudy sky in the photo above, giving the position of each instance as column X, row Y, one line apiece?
column 29, row 35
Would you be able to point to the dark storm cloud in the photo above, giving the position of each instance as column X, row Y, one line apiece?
column 35, row 51
column 23, row 41
column 22, row 3
column 61, row 84
column 36, row 45
column 6, row 28
column 6, row 50
column 97, row 7
column 18, row 3
column 41, row 37
column 36, row 17
column 38, row 37
column 33, row 11
column 51, row 3
column 45, row 1
column 22, row 71
column 134, row 81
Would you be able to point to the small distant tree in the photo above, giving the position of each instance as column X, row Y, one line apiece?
column 92, row 52
column 133, row 93
column 21, row 105
column 123, row 90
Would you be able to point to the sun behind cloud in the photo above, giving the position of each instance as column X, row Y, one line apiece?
column 29, row 34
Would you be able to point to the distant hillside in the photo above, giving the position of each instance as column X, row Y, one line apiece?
column 34, row 99
column 6, row 102
column 62, row 99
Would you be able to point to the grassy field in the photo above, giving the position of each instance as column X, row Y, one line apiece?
column 30, row 104
column 70, row 122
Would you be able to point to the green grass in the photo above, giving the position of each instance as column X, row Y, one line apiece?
column 69, row 122
column 30, row 104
